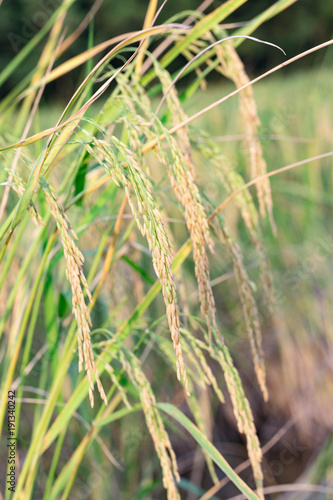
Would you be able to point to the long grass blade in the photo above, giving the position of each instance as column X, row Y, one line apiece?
column 210, row 449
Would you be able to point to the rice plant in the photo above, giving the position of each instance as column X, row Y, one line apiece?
column 93, row 259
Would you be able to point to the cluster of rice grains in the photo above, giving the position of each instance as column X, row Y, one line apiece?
column 154, row 422
column 74, row 274
column 122, row 164
column 233, row 68
column 181, row 172
column 125, row 164
column 177, row 159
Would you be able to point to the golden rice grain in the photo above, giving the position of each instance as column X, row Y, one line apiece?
column 74, row 262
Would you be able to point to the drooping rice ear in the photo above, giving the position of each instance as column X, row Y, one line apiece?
column 154, row 423
column 74, row 273
column 249, row 307
column 233, row 68
column 242, row 412
column 232, row 182
column 181, row 171
column 150, row 223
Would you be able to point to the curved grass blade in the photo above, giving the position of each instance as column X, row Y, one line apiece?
column 210, row 449
column 200, row 29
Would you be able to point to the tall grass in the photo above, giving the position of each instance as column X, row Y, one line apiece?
column 91, row 206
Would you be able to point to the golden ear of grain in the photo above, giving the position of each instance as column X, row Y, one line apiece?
column 242, row 412
column 74, row 262
column 126, row 169
column 233, row 68
column 232, row 181
column 249, row 307
column 155, row 425
column 181, row 172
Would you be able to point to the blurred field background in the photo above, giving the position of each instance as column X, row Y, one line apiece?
column 296, row 113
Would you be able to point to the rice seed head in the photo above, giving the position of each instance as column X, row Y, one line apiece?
column 155, row 425
column 243, row 414
column 181, row 172
column 128, row 171
column 249, row 307
column 232, row 182
column 74, row 273
column 234, row 69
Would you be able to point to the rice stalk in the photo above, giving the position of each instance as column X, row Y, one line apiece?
column 115, row 380
column 201, row 363
column 149, row 20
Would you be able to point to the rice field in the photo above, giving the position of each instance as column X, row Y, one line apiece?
column 165, row 281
